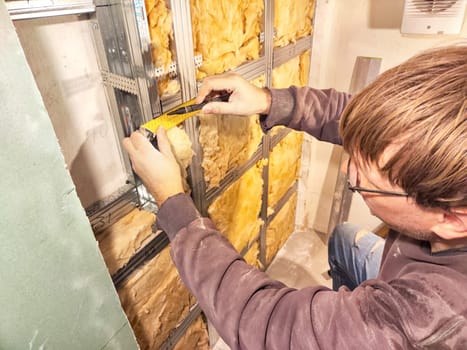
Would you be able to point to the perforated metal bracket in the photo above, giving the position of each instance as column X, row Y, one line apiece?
column 261, row 37
column 120, row 82
column 198, row 61
column 172, row 70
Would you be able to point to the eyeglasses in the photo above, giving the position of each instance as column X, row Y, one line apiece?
column 353, row 184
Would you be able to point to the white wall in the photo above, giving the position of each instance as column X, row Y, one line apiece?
column 61, row 54
column 345, row 29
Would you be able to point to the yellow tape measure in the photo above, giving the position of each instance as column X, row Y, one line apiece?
column 169, row 121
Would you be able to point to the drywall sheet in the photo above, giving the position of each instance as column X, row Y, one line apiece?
column 56, row 292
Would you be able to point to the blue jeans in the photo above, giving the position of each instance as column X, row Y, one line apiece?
column 354, row 255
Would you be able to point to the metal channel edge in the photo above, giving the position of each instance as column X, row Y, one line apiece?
column 149, row 251
column 283, row 54
column 232, row 176
column 106, row 212
column 280, row 204
column 236, row 173
column 187, row 73
column 252, row 70
column 264, row 202
column 178, row 332
column 281, row 134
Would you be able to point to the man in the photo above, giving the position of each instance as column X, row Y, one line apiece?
column 406, row 135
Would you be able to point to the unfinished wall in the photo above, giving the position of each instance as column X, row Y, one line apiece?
column 226, row 34
column 229, row 142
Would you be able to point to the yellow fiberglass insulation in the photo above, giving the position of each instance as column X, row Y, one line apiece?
column 293, row 72
column 155, row 300
column 161, row 33
column 236, row 211
column 252, row 255
column 284, row 159
column 305, row 61
column 181, row 147
column 225, row 33
column 228, row 142
column 292, row 20
column 280, row 228
column 153, row 297
column 284, row 166
column 118, row 245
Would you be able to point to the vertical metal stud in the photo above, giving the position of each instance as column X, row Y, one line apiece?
column 187, row 73
column 268, row 53
column 264, row 204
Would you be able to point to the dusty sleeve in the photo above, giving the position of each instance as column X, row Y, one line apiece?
column 314, row 111
column 252, row 311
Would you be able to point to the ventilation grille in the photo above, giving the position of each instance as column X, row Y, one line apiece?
column 445, row 8
column 433, row 16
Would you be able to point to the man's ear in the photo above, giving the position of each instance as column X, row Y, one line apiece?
column 452, row 225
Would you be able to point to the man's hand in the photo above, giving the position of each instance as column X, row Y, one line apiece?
column 245, row 98
column 158, row 170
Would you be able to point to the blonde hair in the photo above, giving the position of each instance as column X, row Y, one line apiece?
column 420, row 106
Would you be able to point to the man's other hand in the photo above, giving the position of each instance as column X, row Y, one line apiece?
column 158, row 170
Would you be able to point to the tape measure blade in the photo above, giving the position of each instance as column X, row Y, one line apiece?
column 166, row 121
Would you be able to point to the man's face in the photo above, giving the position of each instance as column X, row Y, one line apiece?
column 398, row 212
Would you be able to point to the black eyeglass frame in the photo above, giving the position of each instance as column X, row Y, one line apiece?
column 370, row 190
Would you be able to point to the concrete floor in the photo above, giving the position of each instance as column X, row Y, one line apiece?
column 301, row 262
